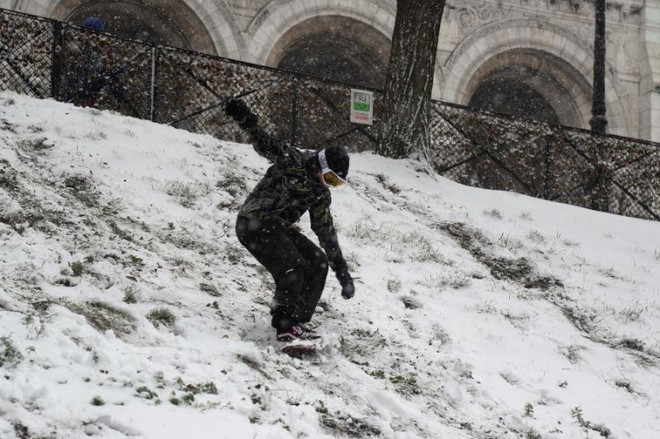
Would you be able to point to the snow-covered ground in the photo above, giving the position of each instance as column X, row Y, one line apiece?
column 129, row 309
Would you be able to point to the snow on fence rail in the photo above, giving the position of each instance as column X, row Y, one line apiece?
column 45, row 58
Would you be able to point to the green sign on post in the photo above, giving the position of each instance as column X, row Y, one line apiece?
column 362, row 108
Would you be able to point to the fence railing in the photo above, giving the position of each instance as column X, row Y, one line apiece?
column 46, row 58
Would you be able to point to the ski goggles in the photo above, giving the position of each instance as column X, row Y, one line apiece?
column 330, row 177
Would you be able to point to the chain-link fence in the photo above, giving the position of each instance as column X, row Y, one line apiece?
column 46, row 58
column 573, row 166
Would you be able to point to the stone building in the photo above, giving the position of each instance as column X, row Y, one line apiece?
column 522, row 57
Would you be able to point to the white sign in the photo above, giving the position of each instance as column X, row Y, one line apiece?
column 362, row 107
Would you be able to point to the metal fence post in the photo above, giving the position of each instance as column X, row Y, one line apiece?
column 152, row 91
column 294, row 113
column 56, row 59
column 602, row 189
column 547, row 165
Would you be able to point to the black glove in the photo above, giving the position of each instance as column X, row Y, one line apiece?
column 347, row 287
column 237, row 109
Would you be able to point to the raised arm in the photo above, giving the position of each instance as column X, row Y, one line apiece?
column 264, row 144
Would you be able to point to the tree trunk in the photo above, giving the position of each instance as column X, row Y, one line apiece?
column 405, row 123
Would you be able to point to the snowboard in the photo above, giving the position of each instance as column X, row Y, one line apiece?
column 300, row 350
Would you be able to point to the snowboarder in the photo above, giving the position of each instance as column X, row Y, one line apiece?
column 298, row 181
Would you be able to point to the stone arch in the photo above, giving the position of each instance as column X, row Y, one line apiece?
column 531, row 83
column 360, row 31
column 552, row 64
column 336, row 48
column 167, row 22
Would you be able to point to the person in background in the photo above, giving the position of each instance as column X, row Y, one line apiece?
column 297, row 182
column 87, row 78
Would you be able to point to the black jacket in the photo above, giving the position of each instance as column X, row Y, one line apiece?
column 290, row 188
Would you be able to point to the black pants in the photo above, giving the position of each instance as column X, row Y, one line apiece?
column 299, row 267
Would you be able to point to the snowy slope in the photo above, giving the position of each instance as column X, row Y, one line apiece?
column 129, row 309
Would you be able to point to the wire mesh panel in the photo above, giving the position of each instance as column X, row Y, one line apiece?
column 609, row 173
column 571, row 170
column 505, row 153
column 452, row 154
column 323, row 118
column 26, row 47
column 191, row 90
column 627, row 171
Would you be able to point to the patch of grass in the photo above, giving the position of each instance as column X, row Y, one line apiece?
column 486, row 308
column 519, row 270
column 510, row 243
column 536, row 236
column 345, row 425
column 136, row 260
column 362, row 344
column 77, row 268
column 380, row 374
column 209, row 289
column 411, row 303
column 131, row 294
column 493, row 213
column 625, row 385
column 66, row 282
column 119, row 231
column 393, row 285
column 22, row 432
column 510, row 378
column 103, row 316
column 37, row 144
column 632, row 343
column 439, row 334
column 187, row 193
column 320, row 407
column 82, row 188
column 383, row 180
column 8, row 176
column 78, row 182
column 577, row 414
column 414, row 246
column 195, row 389
column 454, row 280
column 517, row 320
column 420, row 247
column 366, row 230
column 161, row 316
column 146, row 393
column 9, row 355
column 98, row 401
column 234, row 254
column 632, row 314
column 234, row 185
column 185, row 239
column 96, row 135
column 572, row 353
column 406, row 384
